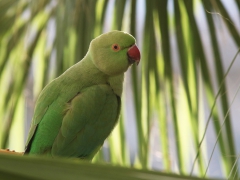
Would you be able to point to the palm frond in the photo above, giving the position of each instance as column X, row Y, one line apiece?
column 178, row 88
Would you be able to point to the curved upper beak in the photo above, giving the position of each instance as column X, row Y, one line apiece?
column 133, row 54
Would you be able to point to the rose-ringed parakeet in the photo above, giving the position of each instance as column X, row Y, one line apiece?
column 77, row 111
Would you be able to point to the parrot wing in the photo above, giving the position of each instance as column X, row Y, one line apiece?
column 86, row 121
column 89, row 119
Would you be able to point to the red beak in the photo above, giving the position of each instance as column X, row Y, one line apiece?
column 133, row 54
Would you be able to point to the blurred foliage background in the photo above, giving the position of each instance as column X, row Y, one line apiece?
column 180, row 104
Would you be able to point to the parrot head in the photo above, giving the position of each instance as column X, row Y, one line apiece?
column 113, row 52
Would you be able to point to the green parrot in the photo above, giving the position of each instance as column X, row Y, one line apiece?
column 77, row 111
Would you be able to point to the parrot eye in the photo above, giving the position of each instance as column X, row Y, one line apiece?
column 115, row 47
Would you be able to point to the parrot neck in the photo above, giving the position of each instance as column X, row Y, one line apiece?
column 98, row 77
column 116, row 83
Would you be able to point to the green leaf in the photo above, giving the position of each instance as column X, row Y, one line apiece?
column 42, row 168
